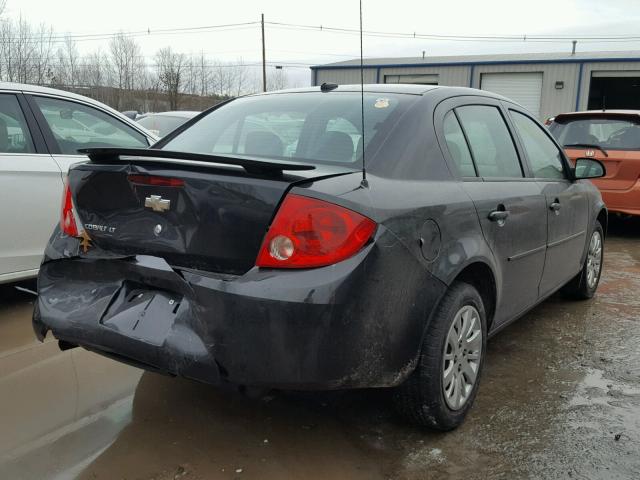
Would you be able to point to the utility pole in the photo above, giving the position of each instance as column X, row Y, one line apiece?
column 264, row 60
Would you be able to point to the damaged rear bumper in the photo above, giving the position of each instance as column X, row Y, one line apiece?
column 355, row 324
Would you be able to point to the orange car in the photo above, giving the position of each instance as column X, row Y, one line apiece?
column 613, row 137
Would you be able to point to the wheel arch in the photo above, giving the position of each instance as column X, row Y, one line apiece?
column 603, row 218
column 476, row 274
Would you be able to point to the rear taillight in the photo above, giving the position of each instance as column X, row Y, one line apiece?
column 307, row 232
column 68, row 221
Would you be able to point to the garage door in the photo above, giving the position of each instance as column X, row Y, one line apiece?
column 522, row 88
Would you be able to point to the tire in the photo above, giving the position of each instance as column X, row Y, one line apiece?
column 423, row 398
column 582, row 286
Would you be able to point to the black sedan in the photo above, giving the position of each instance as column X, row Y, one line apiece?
column 305, row 240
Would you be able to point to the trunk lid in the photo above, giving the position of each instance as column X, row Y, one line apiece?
column 210, row 217
column 623, row 166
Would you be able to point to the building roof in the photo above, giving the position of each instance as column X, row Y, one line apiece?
column 488, row 59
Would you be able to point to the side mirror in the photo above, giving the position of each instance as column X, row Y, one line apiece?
column 589, row 168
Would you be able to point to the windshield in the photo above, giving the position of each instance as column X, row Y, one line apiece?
column 312, row 127
column 161, row 124
column 607, row 133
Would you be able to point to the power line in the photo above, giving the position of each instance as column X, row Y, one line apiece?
column 424, row 36
column 536, row 38
column 80, row 37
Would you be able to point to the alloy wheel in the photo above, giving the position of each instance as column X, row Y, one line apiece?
column 594, row 259
column 461, row 357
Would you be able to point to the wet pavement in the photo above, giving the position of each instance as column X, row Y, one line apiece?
column 560, row 398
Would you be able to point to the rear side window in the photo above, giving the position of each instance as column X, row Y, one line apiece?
column 14, row 134
column 490, row 142
column 457, row 146
column 545, row 158
column 75, row 126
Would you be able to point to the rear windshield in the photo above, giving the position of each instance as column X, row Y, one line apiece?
column 310, row 127
column 607, row 133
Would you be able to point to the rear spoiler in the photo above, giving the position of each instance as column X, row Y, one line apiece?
column 251, row 165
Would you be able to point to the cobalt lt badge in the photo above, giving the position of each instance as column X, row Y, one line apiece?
column 157, row 203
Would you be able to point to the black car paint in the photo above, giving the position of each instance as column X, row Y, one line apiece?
column 217, row 222
column 358, row 323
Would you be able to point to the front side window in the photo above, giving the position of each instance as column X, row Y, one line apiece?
column 490, row 142
column 76, row 126
column 457, row 146
column 308, row 127
column 14, row 133
column 545, row 158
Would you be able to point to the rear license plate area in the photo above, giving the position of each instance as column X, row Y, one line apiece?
column 142, row 313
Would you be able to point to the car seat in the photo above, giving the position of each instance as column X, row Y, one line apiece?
column 335, row 147
column 264, row 144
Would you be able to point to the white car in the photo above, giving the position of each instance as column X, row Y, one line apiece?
column 41, row 131
column 162, row 123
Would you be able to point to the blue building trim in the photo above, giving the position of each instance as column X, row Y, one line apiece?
column 378, row 75
column 473, row 67
column 314, row 77
column 579, row 89
column 467, row 64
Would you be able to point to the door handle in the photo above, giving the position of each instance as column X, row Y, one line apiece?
column 555, row 206
column 499, row 216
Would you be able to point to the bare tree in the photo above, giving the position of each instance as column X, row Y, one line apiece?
column 170, row 67
column 204, row 72
column 119, row 77
column 68, row 63
column 17, row 50
column 240, row 77
column 277, row 80
column 126, row 64
column 43, row 64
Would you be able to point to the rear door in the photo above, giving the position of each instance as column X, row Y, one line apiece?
column 567, row 206
column 511, row 207
column 31, row 187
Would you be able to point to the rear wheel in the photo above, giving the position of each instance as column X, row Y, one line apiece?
column 584, row 285
column 441, row 390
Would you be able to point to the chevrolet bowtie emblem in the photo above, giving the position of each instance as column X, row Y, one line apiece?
column 157, row 203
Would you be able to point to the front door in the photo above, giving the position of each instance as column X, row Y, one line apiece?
column 31, row 186
column 566, row 202
column 511, row 208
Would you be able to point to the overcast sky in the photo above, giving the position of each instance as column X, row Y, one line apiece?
column 491, row 17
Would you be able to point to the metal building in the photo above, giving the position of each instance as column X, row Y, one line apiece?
column 545, row 83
